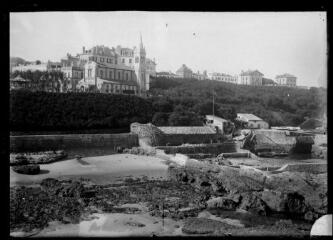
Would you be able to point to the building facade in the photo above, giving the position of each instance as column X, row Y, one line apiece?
column 222, row 77
column 117, row 70
column 286, row 79
column 200, row 76
column 252, row 121
column 184, row 72
column 166, row 74
column 251, row 78
column 73, row 70
column 48, row 66
column 108, row 78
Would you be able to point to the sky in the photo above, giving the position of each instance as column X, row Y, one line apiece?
column 229, row 42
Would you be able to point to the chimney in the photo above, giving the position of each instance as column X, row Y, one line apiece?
column 83, row 49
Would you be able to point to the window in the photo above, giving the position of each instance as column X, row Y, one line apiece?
column 130, row 60
column 119, row 75
column 137, row 59
column 123, row 60
column 110, row 74
column 115, row 61
column 111, row 60
column 101, row 73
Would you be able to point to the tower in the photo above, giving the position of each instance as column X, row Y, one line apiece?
column 140, row 67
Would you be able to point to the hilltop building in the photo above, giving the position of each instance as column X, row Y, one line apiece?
column 38, row 66
column 286, row 79
column 184, row 72
column 73, row 70
column 200, row 76
column 251, row 78
column 252, row 121
column 116, row 70
column 166, row 74
column 222, row 77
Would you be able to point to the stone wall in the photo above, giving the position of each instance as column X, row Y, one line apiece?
column 178, row 139
column 214, row 149
column 54, row 142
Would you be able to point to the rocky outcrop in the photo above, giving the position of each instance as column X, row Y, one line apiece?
column 36, row 158
column 299, row 193
column 30, row 169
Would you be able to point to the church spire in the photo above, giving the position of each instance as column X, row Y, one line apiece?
column 141, row 44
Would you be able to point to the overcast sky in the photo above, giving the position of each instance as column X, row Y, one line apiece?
column 272, row 42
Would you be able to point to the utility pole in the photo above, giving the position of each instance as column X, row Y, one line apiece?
column 213, row 106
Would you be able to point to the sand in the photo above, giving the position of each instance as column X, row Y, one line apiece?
column 101, row 170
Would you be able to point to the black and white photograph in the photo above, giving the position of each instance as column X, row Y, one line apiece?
column 174, row 123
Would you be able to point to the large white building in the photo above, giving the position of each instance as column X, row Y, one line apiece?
column 117, row 70
column 222, row 77
column 286, row 79
column 251, row 77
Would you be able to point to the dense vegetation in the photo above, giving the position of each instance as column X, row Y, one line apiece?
column 276, row 105
column 36, row 111
column 174, row 102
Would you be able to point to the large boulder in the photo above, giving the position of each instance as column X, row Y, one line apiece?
column 30, row 169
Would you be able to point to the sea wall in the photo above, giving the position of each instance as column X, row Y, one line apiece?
column 54, row 142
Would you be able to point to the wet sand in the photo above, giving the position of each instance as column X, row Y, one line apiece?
column 101, row 170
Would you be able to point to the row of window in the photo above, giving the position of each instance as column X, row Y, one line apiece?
column 102, row 59
column 119, row 87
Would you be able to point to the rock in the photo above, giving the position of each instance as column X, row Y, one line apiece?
column 30, row 169
column 252, row 202
column 204, row 226
column 310, row 216
column 276, row 201
column 222, row 202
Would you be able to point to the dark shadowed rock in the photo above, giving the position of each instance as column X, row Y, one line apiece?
column 252, row 202
column 30, row 169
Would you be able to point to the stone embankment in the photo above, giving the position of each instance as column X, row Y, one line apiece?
column 300, row 194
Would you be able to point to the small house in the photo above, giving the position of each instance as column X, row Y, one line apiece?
column 252, row 121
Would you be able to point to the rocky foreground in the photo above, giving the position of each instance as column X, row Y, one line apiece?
column 68, row 201
column 299, row 194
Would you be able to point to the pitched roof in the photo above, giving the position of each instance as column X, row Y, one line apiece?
column 249, row 116
column 285, row 75
column 250, row 72
column 188, row 130
column 184, row 68
column 217, row 118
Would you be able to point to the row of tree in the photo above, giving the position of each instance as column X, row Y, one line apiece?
column 37, row 111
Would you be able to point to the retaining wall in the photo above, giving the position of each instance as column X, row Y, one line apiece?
column 54, row 142
column 214, row 149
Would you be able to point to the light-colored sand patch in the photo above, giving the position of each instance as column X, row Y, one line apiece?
column 103, row 169
column 115, row 224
